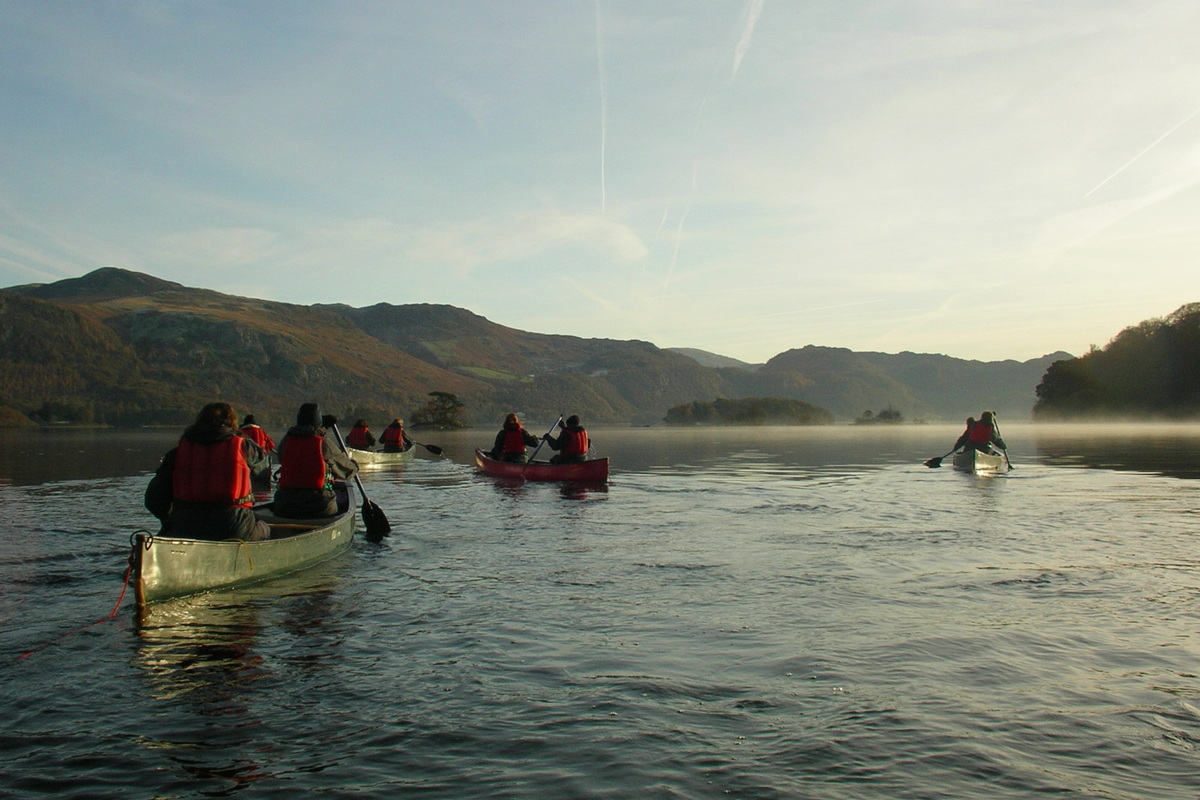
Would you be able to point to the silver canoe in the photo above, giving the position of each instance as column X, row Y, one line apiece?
column 166, row 567
column 370, row 458
column 972, row 460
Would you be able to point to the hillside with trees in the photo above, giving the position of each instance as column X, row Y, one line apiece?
column 117, row 348
column 1147, row 371
column 121, row 347
column 749, row 411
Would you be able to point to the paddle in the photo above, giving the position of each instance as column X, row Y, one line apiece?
column 433, row 448
column 543, row 441
column 934, row 463
column 373, row 516
column 996, row 428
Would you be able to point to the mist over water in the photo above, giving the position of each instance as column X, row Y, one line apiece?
column 762, row 613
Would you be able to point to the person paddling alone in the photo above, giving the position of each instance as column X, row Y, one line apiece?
column 572, row 444
column 512, row 440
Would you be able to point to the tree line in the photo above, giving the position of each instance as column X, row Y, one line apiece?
column 1148, row 370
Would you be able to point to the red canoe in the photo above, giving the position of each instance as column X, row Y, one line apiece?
column 594, row 470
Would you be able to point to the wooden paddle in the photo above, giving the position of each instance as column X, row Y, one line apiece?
column 373, row 516
column 433, row 448
column 934, row 463
column 996, row 428
column 543, row 441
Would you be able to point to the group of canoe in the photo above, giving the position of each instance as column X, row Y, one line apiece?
column 163, row 566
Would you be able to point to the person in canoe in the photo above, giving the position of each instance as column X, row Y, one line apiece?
column 309, row 462
column 984, row 433
column 572, row 444
column 512, row 440
column 202, row 489
column 360, row 436
column 394, row 439
column 965, row 439
column 251, row 430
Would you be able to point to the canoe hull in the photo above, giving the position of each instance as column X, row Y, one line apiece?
column 971, row 460
column 591, row 471
column 166, row 567
column 372, row 458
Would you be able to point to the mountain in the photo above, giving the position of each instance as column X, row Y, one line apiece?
column 106, row 283
column 920, row 385
column 124, row 347
column 707, row 359
column 542, row 374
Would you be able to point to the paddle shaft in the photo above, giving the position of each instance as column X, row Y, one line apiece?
column 937, row 462
column 996, row 427
column 543, row 441
column 373, row 516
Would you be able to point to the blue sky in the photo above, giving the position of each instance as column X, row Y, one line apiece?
column 985, row 180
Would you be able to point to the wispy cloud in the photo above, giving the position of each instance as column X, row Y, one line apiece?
column 750, row 15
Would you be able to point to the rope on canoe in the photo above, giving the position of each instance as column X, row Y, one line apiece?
column 242, row 546
column 124, row 586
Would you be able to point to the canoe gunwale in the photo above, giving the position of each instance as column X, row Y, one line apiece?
column 978, row 462
column 594, row 470
column 164, row 567
column 374, row 458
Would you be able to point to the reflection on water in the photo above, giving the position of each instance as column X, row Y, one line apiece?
column 231, row 659
column 31, row 457
column 1172, row 450
column 200, row 650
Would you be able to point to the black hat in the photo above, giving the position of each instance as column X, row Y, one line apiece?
column 308, row 415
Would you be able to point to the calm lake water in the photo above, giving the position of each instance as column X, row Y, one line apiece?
column 775, row 613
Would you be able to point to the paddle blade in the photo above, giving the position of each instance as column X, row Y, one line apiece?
column 934, row 463
column 376, row 521
column 433, row 448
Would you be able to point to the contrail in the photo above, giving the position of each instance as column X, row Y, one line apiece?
column 750, row 17
column 750, row 20
column 603, row 107
column 1147, row 150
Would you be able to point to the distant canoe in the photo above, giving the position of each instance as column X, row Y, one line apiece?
column 371, row 458
column 972, row 460
column 166, row 566
column 593, row 471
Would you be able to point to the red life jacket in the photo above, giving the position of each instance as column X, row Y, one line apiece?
column 393, row 435
column 212, row 473
column 257, row 435
column 981, row 433
column 514, row 440
column 358, row 437
column 303, row 463
column 574, row 443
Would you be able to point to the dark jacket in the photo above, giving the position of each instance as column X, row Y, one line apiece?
column 395, row 439
column 212, row 521
column 498, row 446
column 311, row 503
column 569, row 434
